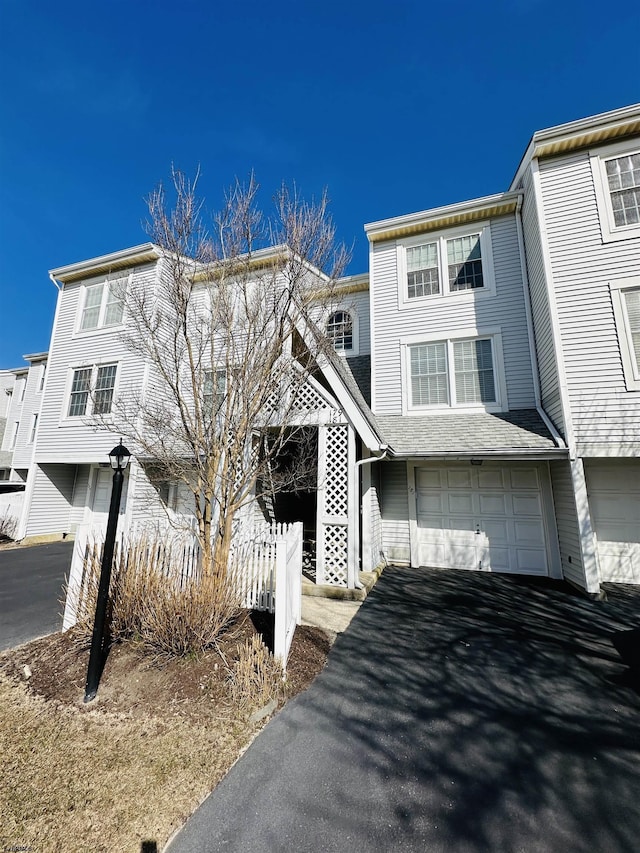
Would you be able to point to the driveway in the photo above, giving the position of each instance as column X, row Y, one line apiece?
column 458, row 712
column 31, row 582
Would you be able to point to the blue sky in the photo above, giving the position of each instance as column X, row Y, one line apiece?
column 393, row 107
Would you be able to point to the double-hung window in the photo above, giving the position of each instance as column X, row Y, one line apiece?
column 459, row 372
column 103, row 305
column 92, row 390
column 445, row 265
column 616, row 173
column 214, row 390
column 625, row 296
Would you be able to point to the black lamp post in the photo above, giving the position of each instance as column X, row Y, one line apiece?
column 119, row 459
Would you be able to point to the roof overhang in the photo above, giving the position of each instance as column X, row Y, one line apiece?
column 460, row 213
column 583, row 133
column 124, row 259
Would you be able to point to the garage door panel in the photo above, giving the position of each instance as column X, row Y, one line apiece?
column 526, row 505
column 613, row 488
column 430, row 478
column 431, row 502
column 524, row 478
column 491, row 479
column 493, row 504
column 530, row 561
column 460, row 502
column 459, row 478
column 490, row 518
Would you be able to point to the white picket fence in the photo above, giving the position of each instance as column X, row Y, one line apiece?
column 265, row 562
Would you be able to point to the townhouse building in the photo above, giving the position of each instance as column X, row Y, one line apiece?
column 480, row 407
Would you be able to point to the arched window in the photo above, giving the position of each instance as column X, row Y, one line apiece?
column 340, row 330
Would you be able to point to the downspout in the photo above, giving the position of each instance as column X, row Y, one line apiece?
column 368, row 461
column 530, row 331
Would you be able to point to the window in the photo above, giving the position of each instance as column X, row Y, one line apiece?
column 34, row 425
column 214, row 389
column 23, row 388
column 43, row 373
column 445, row 265
column 625, row 296
column 623, row 178
column 340, row 330
column 103, row 305
column 616, row 173
column 14, row 435
column 92, row 390
column 459, row 372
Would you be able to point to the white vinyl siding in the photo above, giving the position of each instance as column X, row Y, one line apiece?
column 56, row 431
column 52, row 500
column 604, row 412
column 540, row 307
column 433, row 319
column 395, row 512
column 567, row 523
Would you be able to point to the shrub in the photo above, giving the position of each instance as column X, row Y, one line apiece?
column 155, row 599
column 8, row 525
column 256, row 677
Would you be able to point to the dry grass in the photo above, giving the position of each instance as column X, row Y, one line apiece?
column 73, row 782
column 256, row 677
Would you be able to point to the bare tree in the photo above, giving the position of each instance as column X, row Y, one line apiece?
column 228, row 343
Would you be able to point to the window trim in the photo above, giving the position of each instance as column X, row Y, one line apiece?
column 440, row 237
column 89, row 412
column 630, row 368
column 492, row 334
column 355, row 330
column 610, row 231
column 82, row 304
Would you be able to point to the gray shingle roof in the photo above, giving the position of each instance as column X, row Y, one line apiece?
column 523, row 429
column 360, row 366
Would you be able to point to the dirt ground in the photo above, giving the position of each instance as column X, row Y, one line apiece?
column 136, row 684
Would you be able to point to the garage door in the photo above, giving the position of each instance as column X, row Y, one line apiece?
column 485, row 517
column 614, row 499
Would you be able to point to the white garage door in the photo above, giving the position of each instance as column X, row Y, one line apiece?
column 614, row 499
column 486, row 517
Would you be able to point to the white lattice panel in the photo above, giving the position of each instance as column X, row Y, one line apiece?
column 335, row 543
column 336, row 501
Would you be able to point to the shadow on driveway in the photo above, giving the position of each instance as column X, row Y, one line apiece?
column 459, row 712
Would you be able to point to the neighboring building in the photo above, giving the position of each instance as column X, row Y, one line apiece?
column 7, row 381
column 482, row 408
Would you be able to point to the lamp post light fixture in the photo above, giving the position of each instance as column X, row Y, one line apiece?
column 119, row 459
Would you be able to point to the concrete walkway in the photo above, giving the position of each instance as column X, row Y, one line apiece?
column 458, row 712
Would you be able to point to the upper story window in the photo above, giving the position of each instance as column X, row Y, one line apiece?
column 92, row 391
column 43, row 373
column 458, row 372
column 34, row 427
column 23, row 388
column 445, row 264
column 340, row 331
column 625, row 296
column 616, row 174
column 214, row 390
column 103, row 305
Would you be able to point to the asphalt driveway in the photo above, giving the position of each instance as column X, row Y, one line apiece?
column 31, row 582
column 458, row 712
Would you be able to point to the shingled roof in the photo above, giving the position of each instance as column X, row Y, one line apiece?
column 521, row 430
